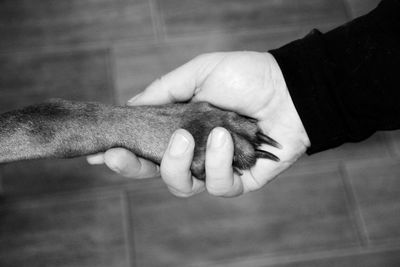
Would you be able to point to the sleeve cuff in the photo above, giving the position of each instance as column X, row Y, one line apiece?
column 304, row 70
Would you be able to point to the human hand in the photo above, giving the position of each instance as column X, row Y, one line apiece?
column 249, row 83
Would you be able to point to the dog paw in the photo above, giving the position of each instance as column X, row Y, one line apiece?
column 247, row 137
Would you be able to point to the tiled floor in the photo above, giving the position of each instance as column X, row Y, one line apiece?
column 295, row 214
column 49, row 25
column 63, row 232
column 194, row 17
column 376, row 189
column 32, row 77
column 336, row 208
column 373, row 259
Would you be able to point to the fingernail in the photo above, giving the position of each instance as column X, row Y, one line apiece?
column 133, row 99
column 217, row 138
column 179, row 145
column 95, row 159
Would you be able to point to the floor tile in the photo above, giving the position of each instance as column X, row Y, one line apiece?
column 376, row 259
column 376, row 185
column 33, row 77
column 374, row 147
column 137, row 66
column 63, row 232
column 37, row 177
column 27, row 24
column 293, row 214
column 192, row 17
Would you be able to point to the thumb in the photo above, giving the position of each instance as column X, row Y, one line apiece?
column 180, row 84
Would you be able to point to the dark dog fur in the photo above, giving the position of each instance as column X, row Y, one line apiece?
column 64, row 129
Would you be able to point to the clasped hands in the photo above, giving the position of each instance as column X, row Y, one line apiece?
column 249, row 83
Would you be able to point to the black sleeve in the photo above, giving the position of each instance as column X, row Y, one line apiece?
column 344, row 83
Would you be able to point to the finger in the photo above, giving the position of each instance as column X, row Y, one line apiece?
column 263, row 172
column 197, row 187
column 221, row 180
column 129, row 165
column 95, row 159
column 175, row 165
column 180, row 84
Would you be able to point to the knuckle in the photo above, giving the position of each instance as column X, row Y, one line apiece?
column 226, row 187
column 218, row 189
column 171, row 171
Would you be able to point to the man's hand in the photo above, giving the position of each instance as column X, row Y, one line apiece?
column 248, row 83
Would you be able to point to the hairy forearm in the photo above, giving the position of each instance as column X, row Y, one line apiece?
column 64, row 129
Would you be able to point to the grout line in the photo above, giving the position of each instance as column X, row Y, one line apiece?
column 267, row 260
column 161, row 37
column 40, row 200
column 348, row 10
column 388, row 144
column 158, row 21
column 111, row 74
column 391, row 145
column 298, row 31
column 129, row 233
column 83, row 46
column 98, row 192
column 306, row 26
column 354, row 208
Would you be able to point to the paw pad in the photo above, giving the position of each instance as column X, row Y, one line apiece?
column 201, row 118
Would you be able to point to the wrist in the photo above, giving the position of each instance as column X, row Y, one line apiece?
column 282, row 110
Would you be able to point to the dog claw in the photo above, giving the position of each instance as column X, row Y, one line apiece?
column 251, row 119
column 238, row 171
column 266, row 155
column 268, row 140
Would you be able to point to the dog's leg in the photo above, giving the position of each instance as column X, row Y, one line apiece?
column 64, row 129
